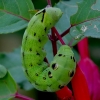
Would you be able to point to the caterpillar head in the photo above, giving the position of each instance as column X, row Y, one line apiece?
column 54, row 13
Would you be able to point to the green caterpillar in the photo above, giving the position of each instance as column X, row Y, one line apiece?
column 61, row 69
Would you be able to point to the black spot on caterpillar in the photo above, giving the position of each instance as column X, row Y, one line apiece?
column 60, row 55
column 71, row 74
column 26, row 72
column 73, row 58
column 37, row 54
column 49, row 74
column 30, row 49
column 34, row 34
column 39, row 40
column 43, row 15
column 44, row 78
column 36, row 74
column 31, row 64
column 37, row 70
column 45, row 29
column 60, row 86
column 54, row 66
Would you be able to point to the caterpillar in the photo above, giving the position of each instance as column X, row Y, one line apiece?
column 61, row 69
column 3, row 71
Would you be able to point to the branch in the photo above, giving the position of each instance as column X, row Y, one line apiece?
column 58, row 36
column 53, row 40
column 49, row 2
column 17, row 95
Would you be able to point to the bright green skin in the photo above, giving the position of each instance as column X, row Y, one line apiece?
column 62, row 67
column 3, row 71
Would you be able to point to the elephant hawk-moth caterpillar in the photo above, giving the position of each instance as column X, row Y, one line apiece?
column 61, row 69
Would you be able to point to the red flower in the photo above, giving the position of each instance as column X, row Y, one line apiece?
column 65, row 94
column 90, row 70
column 80, row 86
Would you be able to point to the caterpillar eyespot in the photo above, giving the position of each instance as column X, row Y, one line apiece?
column 61, row 69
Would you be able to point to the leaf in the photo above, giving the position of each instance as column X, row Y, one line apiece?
column 76, row 55
column 78, row 32
column 13, row 63
column 48, row 49
column 68, row 8
column 14, row 15
column 7, row 87
column 85, row 12
column 3, row 71
column 86, row 29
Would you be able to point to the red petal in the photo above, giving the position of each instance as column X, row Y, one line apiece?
column 92, row 75
column 64, row 94
column 79, row 85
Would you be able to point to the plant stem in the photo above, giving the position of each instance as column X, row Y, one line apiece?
column 49, row 2
column 53, row 40
column 53, row 37
column 22, row 97
column 66, row 32
column 58, row 36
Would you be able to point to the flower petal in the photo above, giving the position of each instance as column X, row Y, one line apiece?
column 92, row 74
column 79, row 85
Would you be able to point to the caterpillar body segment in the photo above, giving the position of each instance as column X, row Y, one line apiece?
column 61, row 69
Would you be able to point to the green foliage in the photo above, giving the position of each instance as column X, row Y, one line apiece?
column 74, row 14
column 12, row 61
column 85, row 12
column 3, row 71
column 14, row 15
column 7, row 85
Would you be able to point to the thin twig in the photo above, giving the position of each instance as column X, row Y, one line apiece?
column 66, row 32
column 54, row 45
column 22, row 97
column 58, row 36
column 49, row 2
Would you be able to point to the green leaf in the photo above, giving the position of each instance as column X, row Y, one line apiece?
column 3, row 71
column 85, row 12
column 13, row 63
column 48, row 49
column 88, row 29
column 78, row 32
column 68, row 8
column 7, row 87
column 14, row 15
column 76, row 55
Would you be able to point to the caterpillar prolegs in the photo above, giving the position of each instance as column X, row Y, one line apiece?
column 61, row 69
